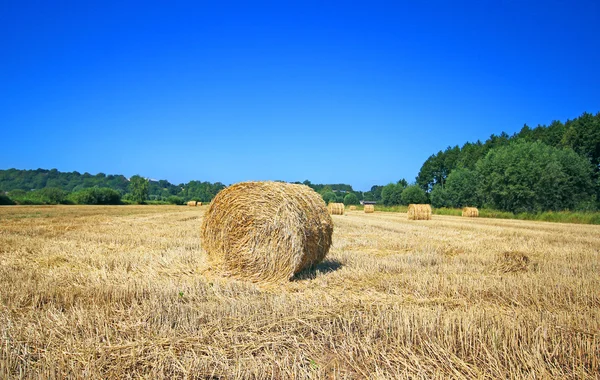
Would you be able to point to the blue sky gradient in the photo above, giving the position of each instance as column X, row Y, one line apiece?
column 341, row 92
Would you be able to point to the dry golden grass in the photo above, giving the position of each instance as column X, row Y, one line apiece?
column 126, row 292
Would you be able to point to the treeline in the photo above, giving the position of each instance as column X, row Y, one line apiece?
column 547, row 168
column 43, row 186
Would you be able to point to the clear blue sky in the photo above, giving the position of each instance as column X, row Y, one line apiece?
column 347, row 92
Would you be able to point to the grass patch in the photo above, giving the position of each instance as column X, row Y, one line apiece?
column 577, row 217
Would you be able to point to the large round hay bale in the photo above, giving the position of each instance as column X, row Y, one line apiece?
column 419, row 212
column 266, row 231
column 352, row 208
column 471, row 212
column 192, row 203
column 369, row 209
column 336, row 208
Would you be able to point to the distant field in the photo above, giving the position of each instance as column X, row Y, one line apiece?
column 125, row 291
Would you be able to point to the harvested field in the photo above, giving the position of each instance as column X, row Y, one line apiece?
column 126, row 291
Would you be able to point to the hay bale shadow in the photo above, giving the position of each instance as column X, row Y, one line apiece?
column 324, row 267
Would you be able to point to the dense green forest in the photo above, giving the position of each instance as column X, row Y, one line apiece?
column 546, row 168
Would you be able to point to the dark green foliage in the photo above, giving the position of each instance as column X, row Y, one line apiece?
column 581, row 135
column 461, row 187
column 138, row 188
column 5, row 200
column 414, row 194
column 329, row 197
column 27, row 180
column 533, row 177
column 437, row 167
column 350, row 199
column 52, row 195
column 175, row 200
column 45, row 196
column 96, row 196
column 374, row 194
column 202, row 191
column 391, row 194
column 440, row 197
column 319, row 188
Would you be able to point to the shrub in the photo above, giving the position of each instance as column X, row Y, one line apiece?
column 175, row 200
column 414, row 194
column 5, row 200
column 96, row 196
column 350, row 199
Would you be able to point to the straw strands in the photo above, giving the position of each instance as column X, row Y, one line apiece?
column 419, row 212
column 369, row 209
column 471, row 212
column 336, row 208
column 266, row 231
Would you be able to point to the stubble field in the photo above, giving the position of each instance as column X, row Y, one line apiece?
column 126, row 292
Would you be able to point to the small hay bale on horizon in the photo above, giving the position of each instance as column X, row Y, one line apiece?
column 369, row 209
column 336, row 208
column 419, row 212
column 266, row 231
column 192, row 203
column 471, row 212
column 352, row 208
column 198, row 203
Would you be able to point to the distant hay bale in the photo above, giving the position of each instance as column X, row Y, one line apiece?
column 336, row 208
column 369, row 209
column 471, row 212
column 266, row 231
column 419, row 212
column 192, row 203
column 352, row 208
column 198, row 203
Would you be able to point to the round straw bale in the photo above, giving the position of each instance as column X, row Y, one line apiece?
column 369, row 209
column 266, row 231
column 192, row 203
column 198, row 203
column 419, row 212
column 352, row 208
column 471, row 212
column 336, row 208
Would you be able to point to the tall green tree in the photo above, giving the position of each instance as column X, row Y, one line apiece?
column 532, row 176
column 350, row 199
column 138, row 187
column 391, row 194
column 414, row 194
column 329, row 197
column 461, row 188
column 439, row 197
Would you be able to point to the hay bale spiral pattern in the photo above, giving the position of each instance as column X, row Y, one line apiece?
column 419, row 212
column 266, row 231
